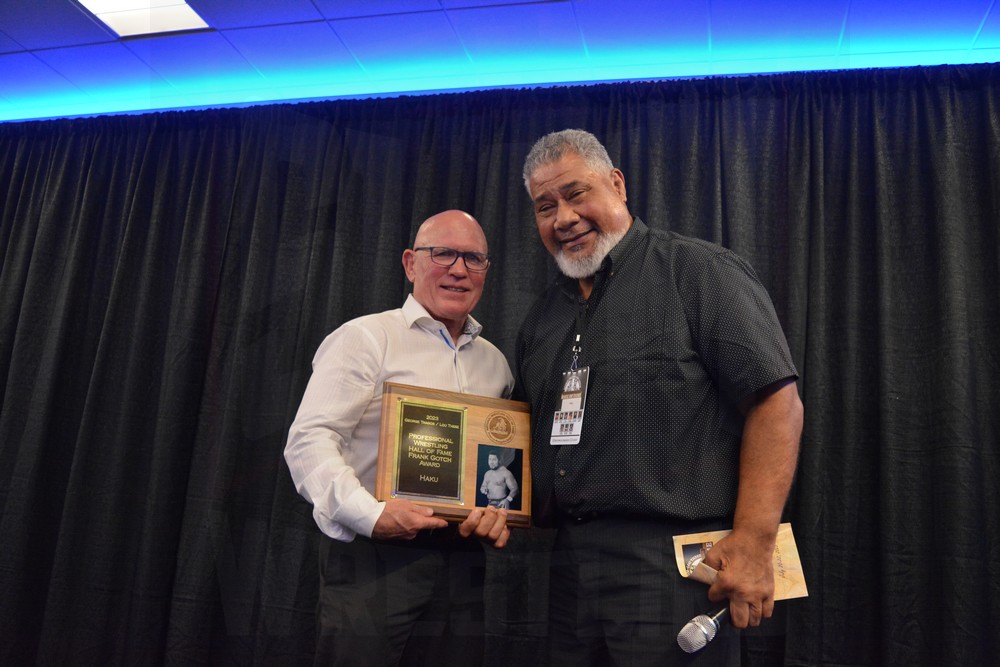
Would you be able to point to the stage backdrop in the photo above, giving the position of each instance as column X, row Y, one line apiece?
column 165, row 280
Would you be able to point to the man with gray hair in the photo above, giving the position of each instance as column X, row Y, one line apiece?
column 684, row 418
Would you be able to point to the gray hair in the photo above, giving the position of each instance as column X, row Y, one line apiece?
column 553, row 146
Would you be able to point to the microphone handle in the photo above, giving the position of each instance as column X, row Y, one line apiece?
column 717, row 617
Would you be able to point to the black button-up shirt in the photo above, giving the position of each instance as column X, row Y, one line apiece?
column 676, row 332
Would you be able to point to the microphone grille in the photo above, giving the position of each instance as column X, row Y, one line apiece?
column 696, row 634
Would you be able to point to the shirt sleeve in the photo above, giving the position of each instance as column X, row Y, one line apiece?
column 740, row 337
column 345, row 372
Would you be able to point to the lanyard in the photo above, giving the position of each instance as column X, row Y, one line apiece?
column 581, row 323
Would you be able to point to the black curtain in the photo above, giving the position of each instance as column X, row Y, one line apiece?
column 166, row 278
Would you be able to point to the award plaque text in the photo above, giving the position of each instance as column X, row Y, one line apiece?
column 455, row 452
column 430, row 450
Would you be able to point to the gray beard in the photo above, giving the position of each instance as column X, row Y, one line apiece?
column 584, row 267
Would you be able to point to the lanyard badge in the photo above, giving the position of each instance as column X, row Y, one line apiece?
column 567, row 423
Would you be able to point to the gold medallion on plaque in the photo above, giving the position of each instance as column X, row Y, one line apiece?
column 500, row 427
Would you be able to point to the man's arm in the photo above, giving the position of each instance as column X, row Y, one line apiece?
column 512, row 487
column 345, row 372
column 768, row 457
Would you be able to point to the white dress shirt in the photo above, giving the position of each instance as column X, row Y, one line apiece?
column 333, row 443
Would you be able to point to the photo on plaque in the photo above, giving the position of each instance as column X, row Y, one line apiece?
column 455, row 452
column 500, row 471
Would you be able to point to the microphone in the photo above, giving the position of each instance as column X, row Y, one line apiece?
column 700, row 630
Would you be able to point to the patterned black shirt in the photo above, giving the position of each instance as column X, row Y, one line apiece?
column 676, row 332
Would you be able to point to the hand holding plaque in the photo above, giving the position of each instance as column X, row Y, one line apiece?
column 455, row 452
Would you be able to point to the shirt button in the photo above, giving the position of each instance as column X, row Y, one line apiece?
column 562, row 473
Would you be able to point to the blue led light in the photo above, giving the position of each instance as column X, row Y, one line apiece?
column 521, row 45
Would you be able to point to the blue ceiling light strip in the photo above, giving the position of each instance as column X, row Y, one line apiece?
column 221, row 92
column 479, row 48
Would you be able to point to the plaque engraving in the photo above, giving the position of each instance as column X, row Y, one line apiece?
column 455, row 452
column 430, row 440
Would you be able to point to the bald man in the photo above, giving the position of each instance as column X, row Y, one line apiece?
column 398, row 585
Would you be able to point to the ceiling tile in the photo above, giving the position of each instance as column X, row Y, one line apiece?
column 525, row 37
column 195, row 60
column 888, row 25
column 647, row 31
column 153, row 20
column 24, row 75
column 989, row 37
column 307, row 50
column 404, row 45
column 778, row 28
column 225, row 14
column 45, row 24
column 339, row 9
column 92, row 67
column 457, row 4
column 8, row 45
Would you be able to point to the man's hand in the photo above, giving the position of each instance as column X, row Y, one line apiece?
column 768, row 454
column 402, row 520
column 746, row 577
column 489, row 525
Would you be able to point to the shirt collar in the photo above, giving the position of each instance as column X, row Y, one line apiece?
column 415, row 313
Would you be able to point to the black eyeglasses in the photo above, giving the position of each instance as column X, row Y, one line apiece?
column 474, row 261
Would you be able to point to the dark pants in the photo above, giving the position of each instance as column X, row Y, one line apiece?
column 617, row 597
column 400, row 603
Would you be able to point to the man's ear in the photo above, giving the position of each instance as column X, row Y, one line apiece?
column 618, row 182
column 408, row 258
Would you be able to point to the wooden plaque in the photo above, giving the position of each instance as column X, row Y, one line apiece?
column 455, row 452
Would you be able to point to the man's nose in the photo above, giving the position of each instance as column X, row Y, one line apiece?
column 566, row 216
column 459, row 268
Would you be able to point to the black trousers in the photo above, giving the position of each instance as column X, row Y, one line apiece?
column 387, row 603
column 617, row 598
